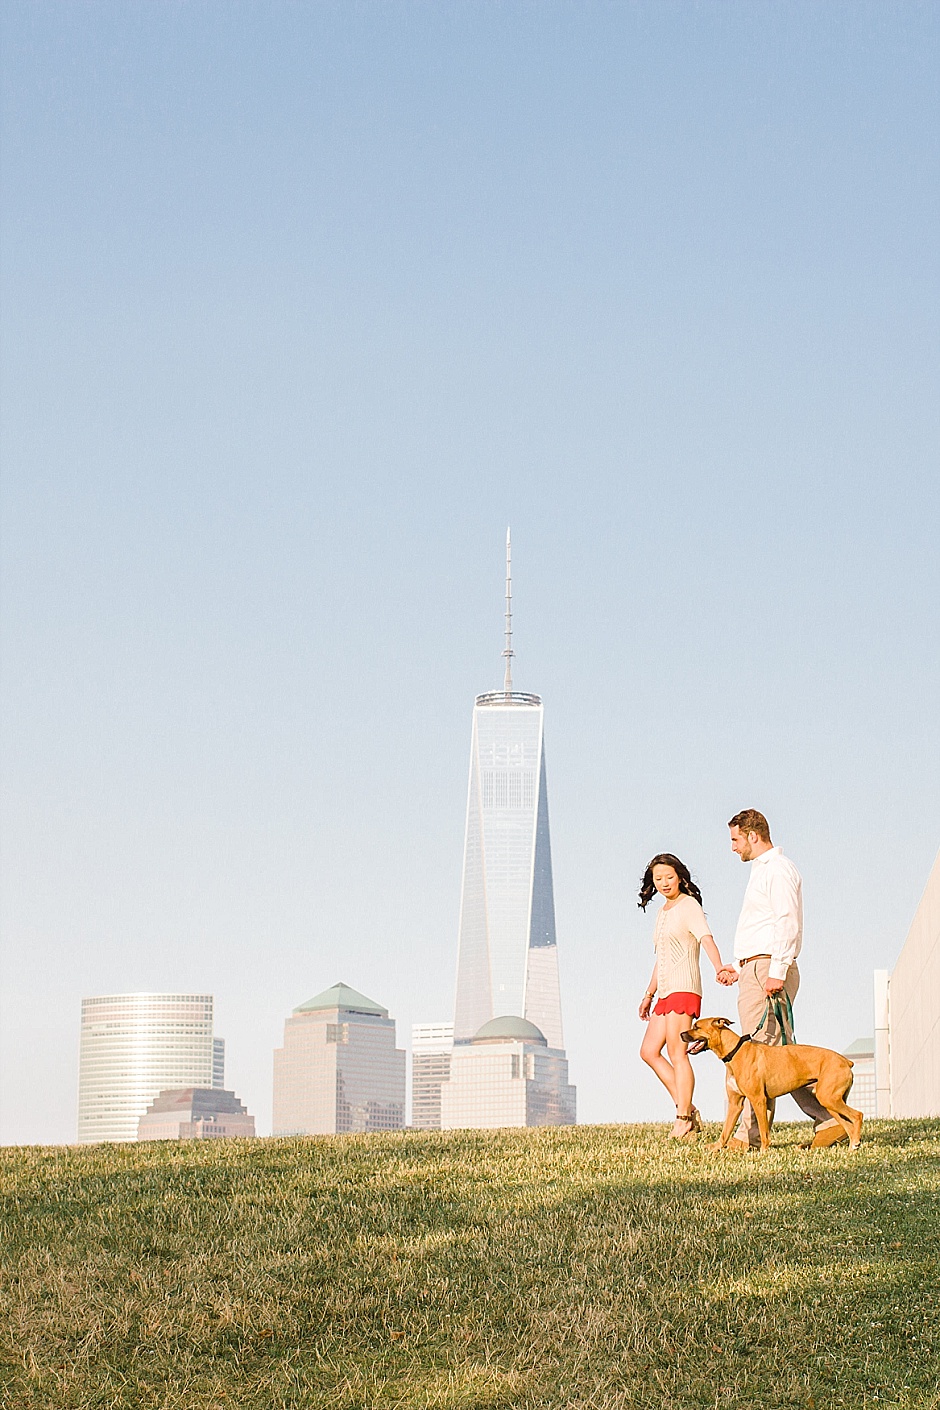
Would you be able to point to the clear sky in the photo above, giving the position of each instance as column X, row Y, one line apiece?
column 303, row 304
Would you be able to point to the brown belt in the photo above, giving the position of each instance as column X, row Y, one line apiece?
column 750, row 960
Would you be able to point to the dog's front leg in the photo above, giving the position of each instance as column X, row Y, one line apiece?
column 735, row 1103
column 759, row 1107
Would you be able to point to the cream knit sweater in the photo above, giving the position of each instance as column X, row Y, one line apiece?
column 678, row 937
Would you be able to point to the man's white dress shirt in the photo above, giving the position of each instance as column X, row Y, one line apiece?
column 771, row 921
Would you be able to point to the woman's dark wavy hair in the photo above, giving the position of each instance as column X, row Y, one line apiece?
column 686, row 885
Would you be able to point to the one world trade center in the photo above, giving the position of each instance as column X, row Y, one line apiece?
column 507, row 960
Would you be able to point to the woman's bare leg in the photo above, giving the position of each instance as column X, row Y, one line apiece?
column 651, row 1051
column 683, row 1076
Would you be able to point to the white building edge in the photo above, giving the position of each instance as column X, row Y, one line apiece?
column 907, row 1016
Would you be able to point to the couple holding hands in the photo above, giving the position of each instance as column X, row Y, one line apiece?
column 766, row 945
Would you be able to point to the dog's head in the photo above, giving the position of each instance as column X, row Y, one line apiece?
column 705, row 1033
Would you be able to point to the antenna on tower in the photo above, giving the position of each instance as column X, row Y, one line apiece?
column 508, row 653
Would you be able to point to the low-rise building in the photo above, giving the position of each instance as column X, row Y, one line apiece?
column 507, row 1075
column 195, row 1113
column 863, row 1095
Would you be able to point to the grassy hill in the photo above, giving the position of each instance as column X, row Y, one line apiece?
column 589, row 1266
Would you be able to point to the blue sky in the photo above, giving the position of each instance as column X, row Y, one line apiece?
column 305, row 303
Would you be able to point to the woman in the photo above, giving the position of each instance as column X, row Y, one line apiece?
column 681, row 929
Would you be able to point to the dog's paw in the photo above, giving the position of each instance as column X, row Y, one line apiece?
column 828, row 1136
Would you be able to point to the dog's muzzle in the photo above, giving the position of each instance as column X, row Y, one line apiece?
column 696, row 1045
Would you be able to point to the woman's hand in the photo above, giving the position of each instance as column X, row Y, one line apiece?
column 645, row 1006
column 727, row 974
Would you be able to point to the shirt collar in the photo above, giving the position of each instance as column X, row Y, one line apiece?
column 765, row 856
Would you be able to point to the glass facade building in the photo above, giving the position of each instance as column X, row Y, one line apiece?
column 339, row 1069
column 507, row 951
column 134, row 1046
column 431, row 1047
column 507, row 1076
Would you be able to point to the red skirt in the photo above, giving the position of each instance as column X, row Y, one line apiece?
column 678, row 1002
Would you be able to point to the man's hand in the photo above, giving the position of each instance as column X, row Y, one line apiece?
column 773, row 986
column 727, row 975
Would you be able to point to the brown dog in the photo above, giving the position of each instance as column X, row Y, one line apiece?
column 758, row 1072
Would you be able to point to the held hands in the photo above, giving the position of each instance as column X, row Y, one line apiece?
column 727, row 974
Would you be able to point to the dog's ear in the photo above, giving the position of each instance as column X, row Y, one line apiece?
column 722, row 1022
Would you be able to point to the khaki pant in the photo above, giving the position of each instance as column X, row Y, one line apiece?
column 752, row 1000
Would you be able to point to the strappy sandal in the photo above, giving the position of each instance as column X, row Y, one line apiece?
column 690, row 1122
column 696, row 1119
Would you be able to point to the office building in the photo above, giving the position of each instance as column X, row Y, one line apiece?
column 134, row 1046
column 907, row 1016
column 863, row 1095
column 431, row 1047
column 339, row 1069
column 507, row 1075
column 195, row 1114
column 507, row 952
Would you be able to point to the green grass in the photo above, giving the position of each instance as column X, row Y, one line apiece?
column 590, row 1266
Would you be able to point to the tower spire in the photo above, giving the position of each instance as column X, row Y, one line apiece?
column 508, row 652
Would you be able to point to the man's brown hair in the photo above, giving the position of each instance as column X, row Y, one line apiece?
column 750, row 820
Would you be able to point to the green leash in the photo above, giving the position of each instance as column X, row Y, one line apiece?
column 784, row 1016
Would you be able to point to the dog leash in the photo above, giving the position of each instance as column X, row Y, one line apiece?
column 775, row 1006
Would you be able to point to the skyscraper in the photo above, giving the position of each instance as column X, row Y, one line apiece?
column 339, row 1068
column 431, row 1048
column 508, row 958
column 134, row 1046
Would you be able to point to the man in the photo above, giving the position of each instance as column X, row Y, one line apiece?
column 766, row 945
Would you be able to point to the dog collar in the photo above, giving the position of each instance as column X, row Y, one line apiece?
column 739, row 1044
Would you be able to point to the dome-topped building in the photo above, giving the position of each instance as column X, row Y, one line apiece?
column 339, row 1069
column 499, row 1029
column 507, row 1075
